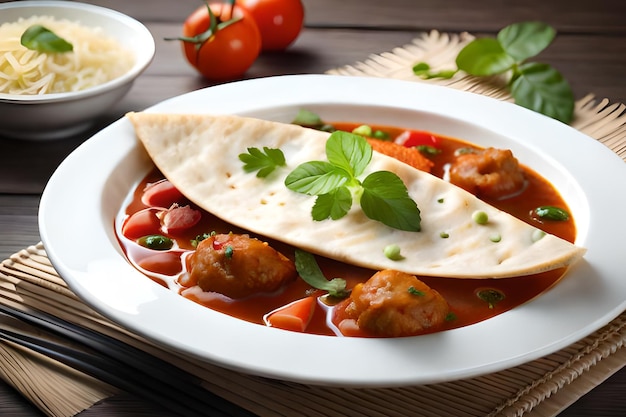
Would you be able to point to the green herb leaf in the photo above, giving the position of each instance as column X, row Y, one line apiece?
column 414, row 291
column 386, row 199
column 541, row 88
column 265, row 162
column 552, row 213
column 156, row 242
column 333, row 205
column 525, row 40
column 316, row 178
column 307, row 118
column 41, row 39
column 422, row 70
column 484, row 56
column 348, row 151
column 310, row 272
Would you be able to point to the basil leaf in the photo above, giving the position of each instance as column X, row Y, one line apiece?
column 526, row 39
column 386, row 199
column 333, row 205
column 541, row 88
column 348, row 151
column 316, row 177
column 484, row 56
column 41, row 39
column 310, row 272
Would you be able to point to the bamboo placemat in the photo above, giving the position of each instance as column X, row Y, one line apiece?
column 28, row 280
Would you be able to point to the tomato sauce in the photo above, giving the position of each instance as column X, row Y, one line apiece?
column 470, row 300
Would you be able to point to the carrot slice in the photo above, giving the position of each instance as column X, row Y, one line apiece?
column 294, row 316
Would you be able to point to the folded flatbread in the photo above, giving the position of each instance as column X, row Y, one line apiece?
column 199, row 155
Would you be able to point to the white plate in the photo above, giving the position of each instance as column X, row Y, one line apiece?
column 84, row 195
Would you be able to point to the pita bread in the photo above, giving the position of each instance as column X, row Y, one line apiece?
column 199, row 155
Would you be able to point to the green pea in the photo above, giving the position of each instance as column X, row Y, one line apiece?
column 444, row 235
column 393, row 252
column 480, row 217
column 495, row 238
column 156, row 242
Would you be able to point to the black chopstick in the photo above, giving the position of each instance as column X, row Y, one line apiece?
column 97, row 368
column 174, row 385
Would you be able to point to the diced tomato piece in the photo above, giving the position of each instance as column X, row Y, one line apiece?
column 294, row 316
column 167, row 263
column 141, row 223
column 161, row 194
column 180, row 218
column 412, row 138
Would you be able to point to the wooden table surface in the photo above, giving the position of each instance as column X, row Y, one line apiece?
column 590, row 51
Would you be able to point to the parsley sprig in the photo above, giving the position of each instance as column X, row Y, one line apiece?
column 265, row 162
column 336, row 183
column 536, row 86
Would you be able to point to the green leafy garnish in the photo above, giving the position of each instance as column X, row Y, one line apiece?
column 41, row 39
column 536, row 86
column 382, row 194
column 414, row 291
column 265, row 162
column 491, row 296
column 310, row 272
column 156, row 242
column 310, row 119
column 552, row 213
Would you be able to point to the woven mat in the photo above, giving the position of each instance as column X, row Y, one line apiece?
column 27, row 280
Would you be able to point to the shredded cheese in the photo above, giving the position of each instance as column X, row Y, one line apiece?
column 96, row 59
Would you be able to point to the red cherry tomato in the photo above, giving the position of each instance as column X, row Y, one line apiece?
column 142, row 223
column 231, row 49
column 280, row 21
column 411, row 138
column 161, row 194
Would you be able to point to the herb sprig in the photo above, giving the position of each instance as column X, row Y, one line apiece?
column 310, row 272
column 265, row 162
column 536, row 86
column 41, row 39
column 382, row 194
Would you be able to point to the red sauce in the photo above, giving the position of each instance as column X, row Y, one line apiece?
column 461, row 294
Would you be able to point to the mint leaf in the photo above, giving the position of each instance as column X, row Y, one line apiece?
column 483, row 57
column 316, row 177
column 541, row 88
column 386, row 199
column 310, row 272
column 348, row 151
column 264, row 162
column 41, row 39
column 525, row 40
column 333, row 205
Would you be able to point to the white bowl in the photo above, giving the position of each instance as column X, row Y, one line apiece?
column 57, row 115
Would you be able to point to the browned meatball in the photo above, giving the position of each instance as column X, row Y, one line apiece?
column 493, row 173
column 394, row 304
column 239, row 266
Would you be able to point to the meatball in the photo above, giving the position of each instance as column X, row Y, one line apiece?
column 492, row 173
column 393, row 304
column 239, row 266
